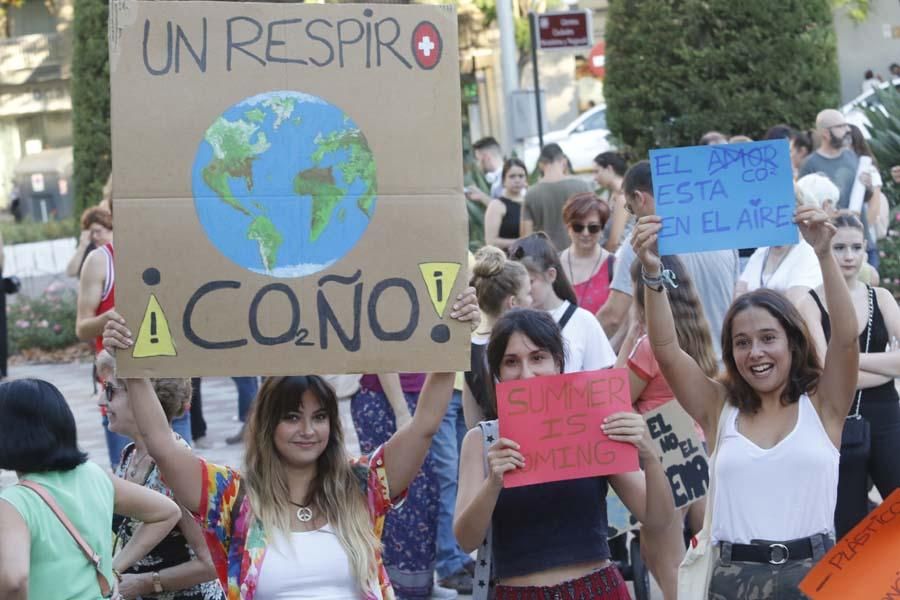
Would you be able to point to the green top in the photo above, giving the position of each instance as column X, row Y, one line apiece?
column 58, row 567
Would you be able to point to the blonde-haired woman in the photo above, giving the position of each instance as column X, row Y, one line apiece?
column 301, row 517
column 500, row 284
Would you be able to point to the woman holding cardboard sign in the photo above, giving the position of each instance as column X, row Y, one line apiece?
column 663, row 551
column 301, row 516
column 549, row 540
column 774, row 423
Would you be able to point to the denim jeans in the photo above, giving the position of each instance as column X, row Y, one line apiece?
column 116, row 442
column 445, row 451
column 246, row 389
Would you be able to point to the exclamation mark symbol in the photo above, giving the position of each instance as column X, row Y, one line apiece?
column 439, row 285
column 153, row 336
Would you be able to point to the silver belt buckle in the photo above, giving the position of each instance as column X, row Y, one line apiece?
column 778, row 549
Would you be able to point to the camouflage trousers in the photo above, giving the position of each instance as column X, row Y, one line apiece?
column 761, row 581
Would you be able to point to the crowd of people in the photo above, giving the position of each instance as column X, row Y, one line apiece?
column 784, row 357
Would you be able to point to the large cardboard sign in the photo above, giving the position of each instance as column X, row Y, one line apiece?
column 864, row 563
column 556, row 421
column 288, row 187
column 683, row 457
column 724, row 196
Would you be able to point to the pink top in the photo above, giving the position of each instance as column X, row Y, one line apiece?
column 592, row 294
column 657, row 392
column 644, row 365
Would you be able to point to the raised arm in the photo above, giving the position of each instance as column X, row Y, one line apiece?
column 157, row 514
column 834, row 393
column 699, row 395
column 180, row 469
column 405, row 450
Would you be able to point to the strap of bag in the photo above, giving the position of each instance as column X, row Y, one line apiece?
column 94, row 558
column 481, row 584
column 727, row 412
column 859, row 392
column 567, row 315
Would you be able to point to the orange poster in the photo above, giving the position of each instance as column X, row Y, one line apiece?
column 865, row 563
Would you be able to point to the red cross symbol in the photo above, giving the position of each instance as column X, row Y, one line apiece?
column 427, row 45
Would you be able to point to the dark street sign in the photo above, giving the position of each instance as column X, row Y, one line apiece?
column 565, row 30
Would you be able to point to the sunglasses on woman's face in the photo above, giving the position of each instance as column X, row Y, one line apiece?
column 592, row 228
column 110, row 391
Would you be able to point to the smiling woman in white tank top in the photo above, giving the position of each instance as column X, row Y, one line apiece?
column 781, row 414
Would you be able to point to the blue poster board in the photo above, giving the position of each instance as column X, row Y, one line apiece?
column 724, row 196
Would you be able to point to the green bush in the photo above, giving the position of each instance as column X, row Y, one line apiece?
column 90, row 102
column 46, row 322
column 30, row 231
column 675, row 70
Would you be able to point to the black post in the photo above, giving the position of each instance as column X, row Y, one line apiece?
column 533, row 25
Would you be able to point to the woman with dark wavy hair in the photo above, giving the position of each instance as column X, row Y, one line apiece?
column 774, row 422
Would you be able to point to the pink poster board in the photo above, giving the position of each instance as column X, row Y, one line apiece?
column 556, row 421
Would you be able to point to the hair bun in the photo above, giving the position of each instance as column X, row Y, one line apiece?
column 489, row 261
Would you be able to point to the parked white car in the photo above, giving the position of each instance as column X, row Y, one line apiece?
column 852, row 111
column 581, row 140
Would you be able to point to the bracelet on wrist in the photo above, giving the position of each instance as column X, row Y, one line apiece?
column 665, row 278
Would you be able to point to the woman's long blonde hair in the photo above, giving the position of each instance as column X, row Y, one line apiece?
column 337, row 492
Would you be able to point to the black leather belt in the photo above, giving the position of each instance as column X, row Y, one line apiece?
column 774, row 553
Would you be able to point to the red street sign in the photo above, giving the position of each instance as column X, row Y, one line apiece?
column 565, row 30
column 597, row 60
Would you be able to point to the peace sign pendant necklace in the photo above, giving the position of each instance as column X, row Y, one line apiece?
column 304, row 513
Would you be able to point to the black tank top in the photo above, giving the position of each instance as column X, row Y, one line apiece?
column 509, row 226
column 538, row 527
column 878, row 343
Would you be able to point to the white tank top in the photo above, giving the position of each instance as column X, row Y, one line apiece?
column 782, row 493
column 316, row 567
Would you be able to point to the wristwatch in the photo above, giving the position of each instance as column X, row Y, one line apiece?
column 157, row 582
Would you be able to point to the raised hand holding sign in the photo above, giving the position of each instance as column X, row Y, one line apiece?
column 724, row 196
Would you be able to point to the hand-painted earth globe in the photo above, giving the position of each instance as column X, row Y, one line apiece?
column 284, row 183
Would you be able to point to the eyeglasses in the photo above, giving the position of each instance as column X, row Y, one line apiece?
column 592, row 227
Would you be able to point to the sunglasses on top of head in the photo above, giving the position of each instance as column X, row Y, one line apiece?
column 592, row 228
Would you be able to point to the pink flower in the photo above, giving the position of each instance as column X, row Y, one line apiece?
column 43, row 324
column 54, row 287
column 881, row 253
column 57, row 328
column 23, row 324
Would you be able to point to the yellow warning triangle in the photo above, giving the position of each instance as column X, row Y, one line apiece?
column 439, row 279
column 154, row 337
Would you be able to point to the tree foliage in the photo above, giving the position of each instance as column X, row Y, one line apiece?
column 885, row 145
column 90, row 102
column 678, row 68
